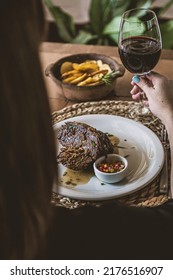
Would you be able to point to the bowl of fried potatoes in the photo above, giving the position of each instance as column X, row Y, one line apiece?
column 85, row 77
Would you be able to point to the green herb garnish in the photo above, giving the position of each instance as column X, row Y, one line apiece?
column 107, row 79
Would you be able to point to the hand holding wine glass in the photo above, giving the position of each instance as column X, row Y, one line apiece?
column 139, row 41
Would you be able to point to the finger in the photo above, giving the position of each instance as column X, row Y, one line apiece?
column 145, row 103
column 143, row 96
column 135, row 89
column 132, row 83
column 144, row 83
column 136, row 97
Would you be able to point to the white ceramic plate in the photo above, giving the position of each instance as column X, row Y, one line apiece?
column 143, row 148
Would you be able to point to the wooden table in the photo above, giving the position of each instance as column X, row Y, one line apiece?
column 50, row 52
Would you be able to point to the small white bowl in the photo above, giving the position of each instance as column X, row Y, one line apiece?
column 110, row 177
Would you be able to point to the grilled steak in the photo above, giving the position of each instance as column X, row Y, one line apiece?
column 82, row 145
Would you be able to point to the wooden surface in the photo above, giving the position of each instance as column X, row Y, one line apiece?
column 51, row 52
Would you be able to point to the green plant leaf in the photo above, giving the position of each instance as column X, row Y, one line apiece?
column 83, row 37
column 120, row 7
column 64, row 22
column 114, row 38
column 112, row 26
column 101, row 12
column 112, row 29
column 104, row 22
column 166, row 29
column 144, row 4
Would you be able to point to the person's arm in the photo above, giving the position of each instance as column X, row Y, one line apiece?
column 159, row 92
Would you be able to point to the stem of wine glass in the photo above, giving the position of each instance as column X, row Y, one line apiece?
column 141, row 109
column 144, row 109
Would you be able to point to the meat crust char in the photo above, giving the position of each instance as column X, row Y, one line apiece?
column 82, row 145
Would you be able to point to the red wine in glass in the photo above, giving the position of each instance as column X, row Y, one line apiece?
column 139, row 44
column 139, row 41
column 139, row 54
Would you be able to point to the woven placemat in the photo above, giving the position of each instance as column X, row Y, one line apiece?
column 148, row 196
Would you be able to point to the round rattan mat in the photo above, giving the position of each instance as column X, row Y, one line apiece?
column 148, row 196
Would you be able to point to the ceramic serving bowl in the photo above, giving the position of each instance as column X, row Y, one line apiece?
column 84, row 93
column 111, row 159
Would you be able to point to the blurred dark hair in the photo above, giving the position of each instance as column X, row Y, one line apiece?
column 27, row 146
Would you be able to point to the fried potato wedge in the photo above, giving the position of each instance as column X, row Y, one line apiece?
column 97, row 77
column 103, row 71
column 66, row 67
column 72, row 77
column 79, row 79
column 88, row 67
column 75, row 66
column 99, row 63
column 87, row 73
column 86, row 82
column 72, row 72
column 105, row 67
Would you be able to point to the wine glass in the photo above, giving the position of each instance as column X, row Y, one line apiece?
column 139, row 42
